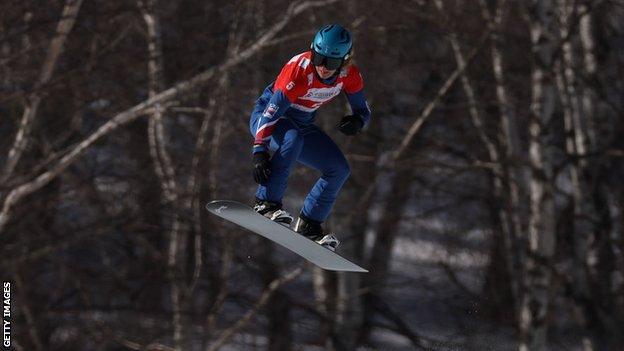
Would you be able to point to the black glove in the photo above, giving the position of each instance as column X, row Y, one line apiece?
column 261, row 167
column 351, row 124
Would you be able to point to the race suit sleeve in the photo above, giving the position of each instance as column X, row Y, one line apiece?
column 289, row 85
column 354, row 89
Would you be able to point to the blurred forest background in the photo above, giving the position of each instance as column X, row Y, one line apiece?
column 486, row 196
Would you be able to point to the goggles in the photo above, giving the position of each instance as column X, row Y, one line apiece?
column 331, row 63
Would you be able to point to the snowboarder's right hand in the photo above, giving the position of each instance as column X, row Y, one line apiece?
column 261, row 167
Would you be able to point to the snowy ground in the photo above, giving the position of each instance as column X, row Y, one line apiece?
column 437, row 308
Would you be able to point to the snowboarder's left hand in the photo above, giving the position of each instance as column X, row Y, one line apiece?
column 262, row 167
column 351, row 124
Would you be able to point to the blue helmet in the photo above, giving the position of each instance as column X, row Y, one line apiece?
column 333, row 41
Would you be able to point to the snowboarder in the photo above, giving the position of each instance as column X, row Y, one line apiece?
column 282, row 122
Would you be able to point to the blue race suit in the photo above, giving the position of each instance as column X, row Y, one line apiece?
column 283, row 121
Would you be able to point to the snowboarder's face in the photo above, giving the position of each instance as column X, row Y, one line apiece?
column 323, row 72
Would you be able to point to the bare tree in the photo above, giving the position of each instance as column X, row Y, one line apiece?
column 512, row 165
column 163, row 165
column 534, row 303
column 22, row 137
column 575, row 145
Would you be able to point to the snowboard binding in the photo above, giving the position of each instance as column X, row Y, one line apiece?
column 312, row 230
column 273, row 211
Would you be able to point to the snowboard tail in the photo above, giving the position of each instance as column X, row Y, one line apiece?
column 249, row 219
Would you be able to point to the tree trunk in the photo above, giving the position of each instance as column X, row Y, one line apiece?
column 581, row 218
column 589, row 70
column 511, row 239
column 541, row 236
column 164, row 168
column 593, row 254
column 279, row 331
column 381, row 253
column 504, row 223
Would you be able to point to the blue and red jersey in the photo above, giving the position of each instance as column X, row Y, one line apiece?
column 298, row 92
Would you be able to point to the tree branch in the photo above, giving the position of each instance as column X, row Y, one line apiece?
column 264, row 298
column 64, row 27
column 409, row 136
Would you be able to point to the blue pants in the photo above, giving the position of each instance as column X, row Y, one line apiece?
column 310, row 146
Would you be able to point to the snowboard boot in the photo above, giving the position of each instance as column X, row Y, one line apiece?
column 273, row 211
column 312, row 230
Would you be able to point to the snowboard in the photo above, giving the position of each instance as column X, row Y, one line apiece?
column 246, row 217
